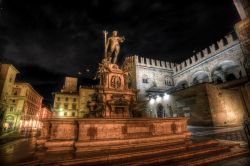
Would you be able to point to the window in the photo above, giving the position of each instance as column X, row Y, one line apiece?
column 65, row 113
column 66, row 98
column 74, row 99
column 15, row 91
column 58, row 98
column 57, row 105
column 66, row 106
column 10, row 80
column 145, row 80
column 73, row 113
column 11, row 109
column 168, row 81
column 73, row 106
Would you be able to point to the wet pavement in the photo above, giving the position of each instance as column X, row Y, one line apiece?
column 241, row 161
column 24, row 150
column 18, row 151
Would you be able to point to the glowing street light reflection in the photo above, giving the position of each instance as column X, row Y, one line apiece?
column 158, row 99
column 152, row 101
column 166, row 96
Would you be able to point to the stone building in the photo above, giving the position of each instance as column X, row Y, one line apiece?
column 220, row 63
column 7, row 79
column 45, row 113
column 66, row 102
column 243, row 29
column 211, row 87
column 24, row 104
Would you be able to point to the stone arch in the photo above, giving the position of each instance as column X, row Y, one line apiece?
column 226, row 70
column 181, row 84
column 199, row 77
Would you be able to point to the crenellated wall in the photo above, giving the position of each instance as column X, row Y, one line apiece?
column 147, row 62
column 206, row 53
column 212, row 64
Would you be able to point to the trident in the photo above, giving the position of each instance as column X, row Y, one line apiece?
column 105, row 43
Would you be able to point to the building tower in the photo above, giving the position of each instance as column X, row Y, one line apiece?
column 242, row 29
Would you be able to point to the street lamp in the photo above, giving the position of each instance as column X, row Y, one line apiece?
column 166, row 96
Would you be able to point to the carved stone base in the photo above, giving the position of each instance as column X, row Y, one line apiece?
column 68, row 134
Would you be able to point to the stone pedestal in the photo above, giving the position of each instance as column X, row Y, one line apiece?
column 80, row 134
column 114, row 95
column 61, row 134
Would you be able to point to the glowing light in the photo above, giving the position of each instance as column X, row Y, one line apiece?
column 152, row 101
column 60, row 109
column 166, row 96
column 61, row 114
column 158, row 99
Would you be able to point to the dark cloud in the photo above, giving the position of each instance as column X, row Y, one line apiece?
column 64, row 37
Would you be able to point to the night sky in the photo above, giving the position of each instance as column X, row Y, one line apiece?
column 47, row 40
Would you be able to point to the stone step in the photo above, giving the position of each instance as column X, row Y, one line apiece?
column 136, row 156
column 234, row 152
column 204, row 157
column 169, row 147
column 91, row 144
column 134, row 146
column 172, row 159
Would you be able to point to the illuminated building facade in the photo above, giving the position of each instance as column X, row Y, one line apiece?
column 23, row 108
column 214, row 67
column 45, row 113
column 7, row 79
column 65, row 104
column 66, row 101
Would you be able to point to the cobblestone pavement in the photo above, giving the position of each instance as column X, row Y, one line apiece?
column 242, row 161
column 234, row 134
